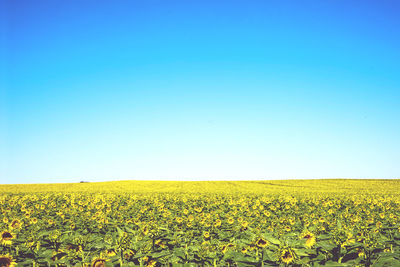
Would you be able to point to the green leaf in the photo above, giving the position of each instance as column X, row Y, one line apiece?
column 301, row 252
column 272, row 239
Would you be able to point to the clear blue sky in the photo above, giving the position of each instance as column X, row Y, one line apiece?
column 109, row 90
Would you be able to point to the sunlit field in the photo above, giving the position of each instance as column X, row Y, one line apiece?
column 248, row 223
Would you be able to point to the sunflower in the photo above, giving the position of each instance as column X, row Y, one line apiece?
column 6, row 237
column 58, row 255
column 109, row 253
column 7, row 261
column 99, row 262
column 361, row 253
column 287, row 256
column 206, row 235
column 15, row 224
column 310, row 239
column 145, row 230
column 227, row 247
column 262, row 243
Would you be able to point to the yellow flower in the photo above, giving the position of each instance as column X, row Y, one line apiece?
column 58, row 255
column 159, row 243
column 6, row 238
column 99, row 262
column 227, row 247
column 310, row 239
column 110, row 253
column 7, row 261
column 145, row 230
column 206, row 235
column 287, row 256
column 217, row 223
column 152, row 263
column 15, row 224
column 198, row 209
column 261, row 242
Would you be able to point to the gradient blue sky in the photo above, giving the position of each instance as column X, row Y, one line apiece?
column 110, row 90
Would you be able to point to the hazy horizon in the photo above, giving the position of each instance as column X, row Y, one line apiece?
column 163, row 90
column 203, row 180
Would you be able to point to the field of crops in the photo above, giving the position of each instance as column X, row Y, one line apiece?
column 258, row 223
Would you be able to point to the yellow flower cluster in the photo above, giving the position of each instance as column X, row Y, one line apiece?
column 215, row 223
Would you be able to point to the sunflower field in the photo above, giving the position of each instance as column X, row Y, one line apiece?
column 226, row 223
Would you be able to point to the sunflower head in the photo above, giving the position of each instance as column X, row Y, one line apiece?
column 7, row 261
column 58, row 255
column 206, row 235
column 287, row 256
column 15, row 224
column 109, row 253
column 262, row 243
column 310, row 239
column 99, row 262
column 225, row 248
column 6, row 237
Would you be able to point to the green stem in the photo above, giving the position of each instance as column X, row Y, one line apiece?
column 121, row 256
column 262, row 257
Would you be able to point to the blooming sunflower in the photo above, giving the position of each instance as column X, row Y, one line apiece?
column 262, row 243
column 287, row 256
column 15, row 224
column 7, row 261
column 6, row 237
column 99, row 262
column 206, row 235
column 108, row 253
column 310, row 239
column 225, row 248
